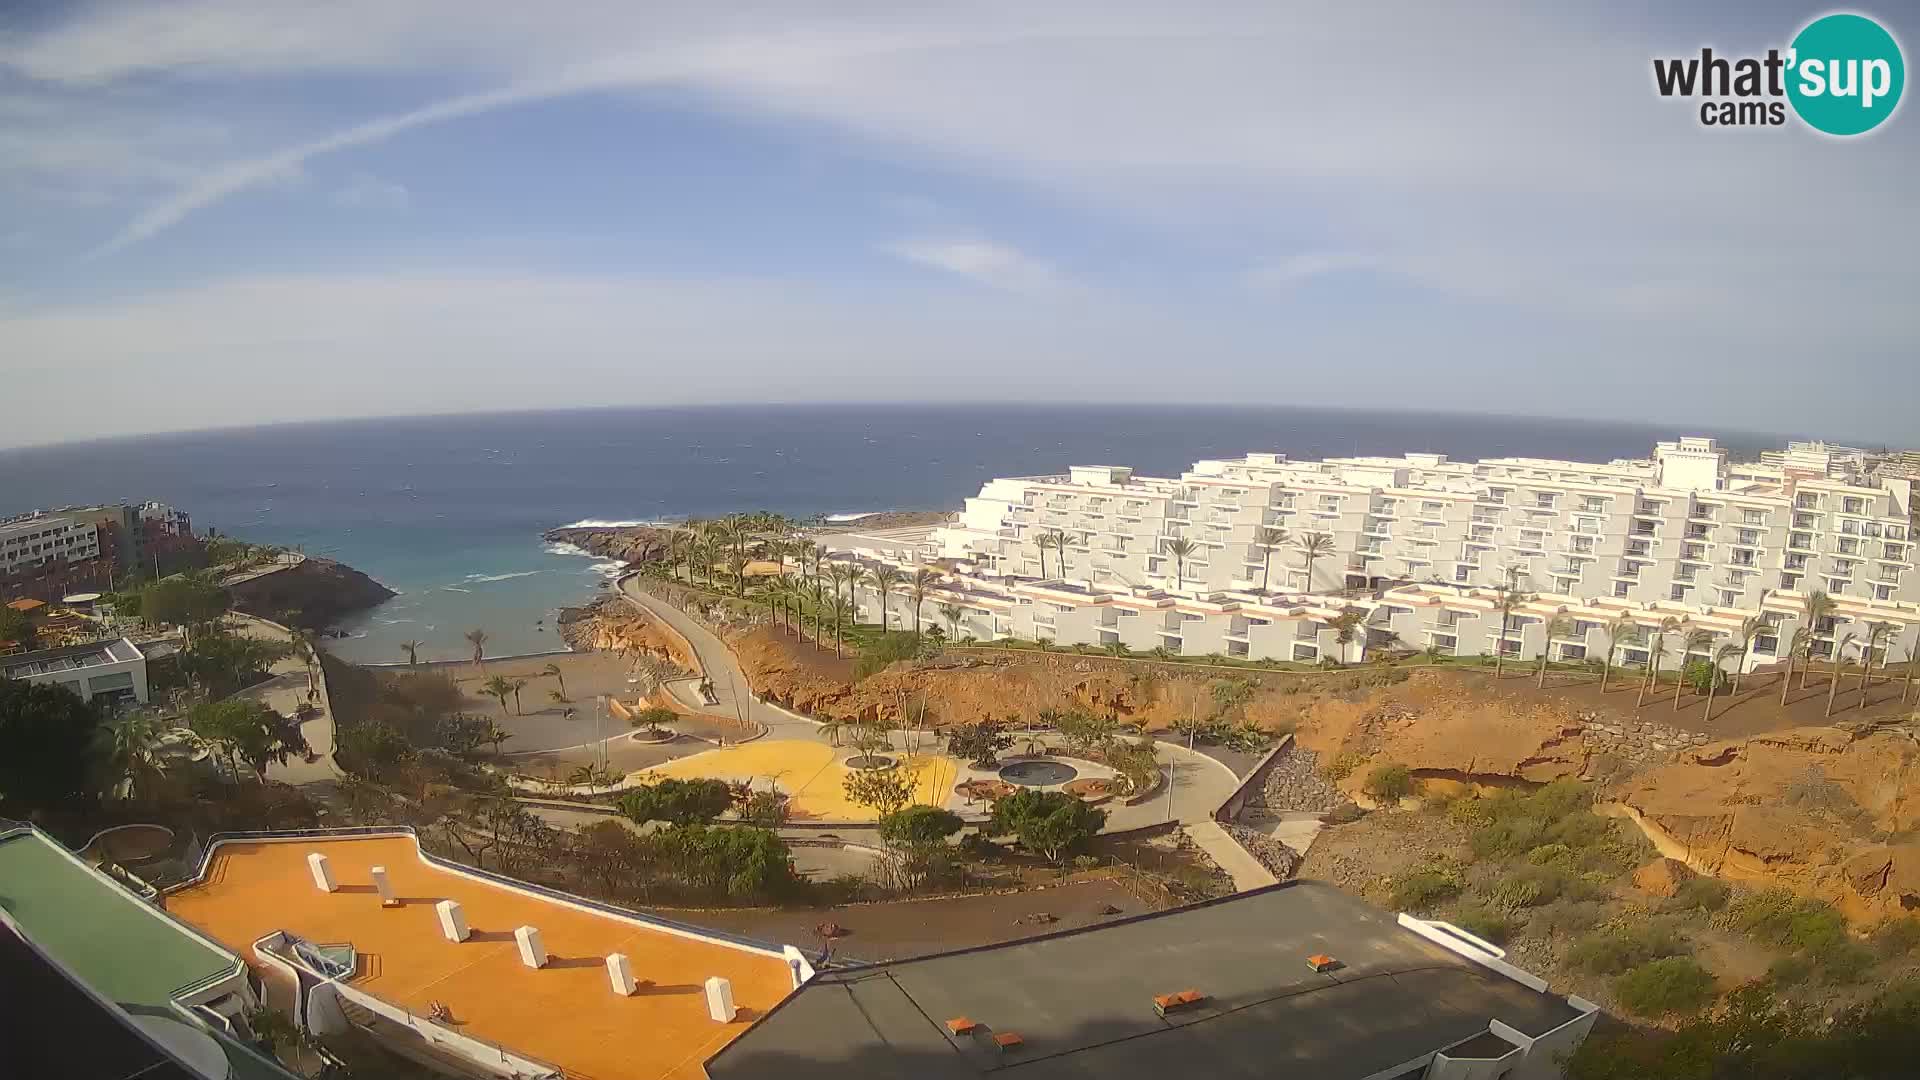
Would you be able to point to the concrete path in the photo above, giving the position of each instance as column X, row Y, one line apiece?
column 1295, row 828
column 1246, row 871
column 286, row 692
column 728, row 680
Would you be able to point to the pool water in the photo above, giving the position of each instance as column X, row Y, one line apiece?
column 1040, row 773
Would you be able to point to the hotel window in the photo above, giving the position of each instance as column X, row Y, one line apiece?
column 1852, row 505
column 1679, row 592
column 1806, row 501
column 1620, row 587
column 1883, row 592
column 1544, row 499
column 1789, row 581
column 1756, row 517
column 1462, row 572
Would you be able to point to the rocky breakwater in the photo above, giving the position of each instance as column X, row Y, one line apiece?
column 310, row 594
column 1828, row 812
column 628, row 543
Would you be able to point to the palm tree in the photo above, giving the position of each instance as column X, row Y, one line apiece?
column 953, row 613
column 832, row 727
column 494, row 733
column 558, row 698
column 1731, row 648
column 552, row 671
column 1656, row 648
column 1267, row 539
column 499, row 688
column 1509, row 600
column 1180, row 547
column 1907, row 689
column 1043, row 542
column 1819, row 608
column 1839, row 661
column 1874, row 630
column 1061, row 541
column 1558, row 626
column 1695, row 641
column 1312, row 546
column 478, row 639
column 1801, row 644
column 518, row 685
column 839, row 608
column 923, row 579
column 1750, row 628
column 1619, row 633
column 837, row 575
column 883, row 579
column 412, row 649
column 130, row 750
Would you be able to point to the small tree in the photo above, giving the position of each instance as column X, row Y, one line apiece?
column 653, row 718
column 47, row 740
column 916, row 837
column 885, row 791
column 1051, row 824
column 979, row 744
column 1086, row 732
column 1673, row 984
column 499, row 688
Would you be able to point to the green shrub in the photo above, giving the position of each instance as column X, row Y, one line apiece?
column 1611, row 952
column 1790, row 970
column 1559, row 855
column 1529, row 886
column 1700, row 894
column 1342, row 765
column 1897, row 936
column 1469, row 810
column 1566, row 918
column 1420, row 890
column 1501, row 839
column 1841, row 963
column 1485, row 923
column 1673, row 984
column 1389, row 782
column 886, row 650
column 1701, row 674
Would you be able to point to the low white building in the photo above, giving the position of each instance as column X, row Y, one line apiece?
column 112, row 672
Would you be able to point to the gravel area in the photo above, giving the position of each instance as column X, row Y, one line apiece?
column 1277, row 857
column 1295, row 783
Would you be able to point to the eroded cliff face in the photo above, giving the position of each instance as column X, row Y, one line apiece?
column 310, row 595
column 614, row 626
column 1828, row 812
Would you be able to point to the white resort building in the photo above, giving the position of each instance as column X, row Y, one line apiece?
column 1263, row 557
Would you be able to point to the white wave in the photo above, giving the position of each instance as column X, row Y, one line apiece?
column 453, row 588
column 610, row 569
column 390, row 622
column 596, row 523
column 501, row 577
column 850, row 517
column 567, row 549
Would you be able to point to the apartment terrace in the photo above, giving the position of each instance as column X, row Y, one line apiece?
column 564, row 1012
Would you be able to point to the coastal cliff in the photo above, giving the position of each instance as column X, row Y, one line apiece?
column 310, row 595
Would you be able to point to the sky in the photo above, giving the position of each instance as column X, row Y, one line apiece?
column 227, row 212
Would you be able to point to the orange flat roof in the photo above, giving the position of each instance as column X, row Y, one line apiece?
column 26, row 605
column 565, row 1014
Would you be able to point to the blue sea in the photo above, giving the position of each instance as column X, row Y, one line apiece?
column 449, row 510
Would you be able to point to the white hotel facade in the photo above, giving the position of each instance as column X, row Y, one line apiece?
column 1417, row 546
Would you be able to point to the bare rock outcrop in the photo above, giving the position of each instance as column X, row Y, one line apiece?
column 1662, row 877
column 1828, row 812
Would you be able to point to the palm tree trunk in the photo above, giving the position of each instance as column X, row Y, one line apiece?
column 1641, row 699
column 1266, row 569
column 1786, row 681
column 1908, row 688
column 1606, row 669
column 1713, row 683
column 1679, row 682
column 1833, row 686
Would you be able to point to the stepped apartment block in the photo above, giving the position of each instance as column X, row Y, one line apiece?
column 1412, row 553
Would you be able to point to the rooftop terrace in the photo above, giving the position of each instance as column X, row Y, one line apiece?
column 70, row 658
column 564, row 1013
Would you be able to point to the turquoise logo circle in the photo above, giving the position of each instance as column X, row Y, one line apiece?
column 1845, row 74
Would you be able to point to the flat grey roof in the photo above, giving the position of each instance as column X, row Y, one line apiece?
column 70, row 658
column 1082, row 1001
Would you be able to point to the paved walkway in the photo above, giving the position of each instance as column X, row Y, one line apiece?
column 1227, row 854
column 286, row 692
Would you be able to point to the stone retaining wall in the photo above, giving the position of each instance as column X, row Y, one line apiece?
column 1637, row 742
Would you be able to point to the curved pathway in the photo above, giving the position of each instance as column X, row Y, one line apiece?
column 1199, row 783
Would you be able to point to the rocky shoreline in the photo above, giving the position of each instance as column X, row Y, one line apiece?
column 640, row 543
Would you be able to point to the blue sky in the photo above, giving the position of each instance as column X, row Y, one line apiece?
column 235, row 211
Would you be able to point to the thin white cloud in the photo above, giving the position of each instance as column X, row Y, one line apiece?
column 364, row 191
column 983, row 261
column 1291, row 270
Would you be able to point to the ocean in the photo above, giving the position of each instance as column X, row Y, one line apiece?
column 449, row 510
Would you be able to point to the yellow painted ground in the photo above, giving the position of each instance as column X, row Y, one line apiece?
column 811, row 774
